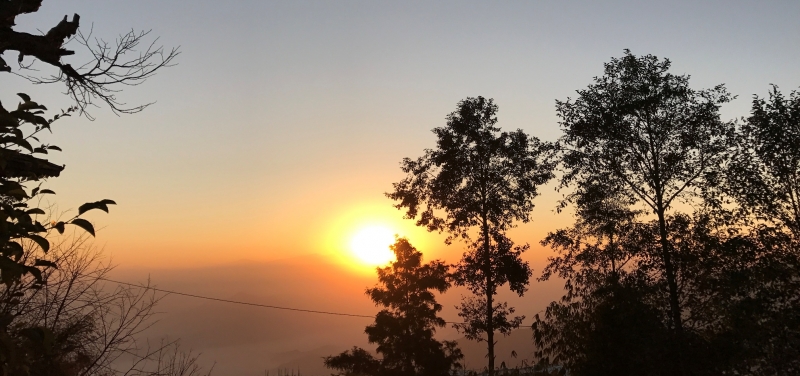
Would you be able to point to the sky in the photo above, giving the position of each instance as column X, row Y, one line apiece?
column 282, row 125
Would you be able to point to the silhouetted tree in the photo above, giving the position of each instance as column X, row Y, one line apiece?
column 737, row 288
column 20, row 189
column 355, row 362
column 503, row 265
column 741, row 301
column 20, row 128
column 652, row 137
column 608, row 322
column 764, row 178
column 478, row 179
column 765, row 174
column 404, row 328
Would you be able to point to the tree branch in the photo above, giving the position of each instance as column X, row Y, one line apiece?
column 97, row 80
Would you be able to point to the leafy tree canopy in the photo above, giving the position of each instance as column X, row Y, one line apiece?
column 764, row 176
column 651, row 140
column 476, row 176
column 474, row 186
column 404, row 329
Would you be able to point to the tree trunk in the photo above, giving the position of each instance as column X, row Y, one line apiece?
column 489, row 309
column 672, row 284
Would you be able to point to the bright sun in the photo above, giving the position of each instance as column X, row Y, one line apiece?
column 371, row 245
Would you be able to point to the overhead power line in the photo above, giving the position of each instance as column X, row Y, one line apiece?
column 250, row 304
column 236, row 301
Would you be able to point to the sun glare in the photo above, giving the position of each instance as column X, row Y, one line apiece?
column 371, row 245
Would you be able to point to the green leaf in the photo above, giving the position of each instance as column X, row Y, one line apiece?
column 89, row 206
column 10, row 271
column 45, row 263
column 25, row 144
column 14, row 250
column 60, row 227
column 11, row 185
column 53, row 147
column 24, row 97
column 17, row 193
column 36, row 273
column 42, row 242
column 102, row 205
column 46, row 191
column 27, row 106
column 85, row 207
column 7, row 120
column 84, row 224
column 35, row 211
column 40, row 120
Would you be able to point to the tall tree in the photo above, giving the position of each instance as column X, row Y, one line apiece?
column 654, row 137
column 474, row 186
column 404, row 328
column 764, row 179
column 765, row 173
column 483, row 270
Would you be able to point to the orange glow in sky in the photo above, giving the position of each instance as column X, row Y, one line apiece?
column 359, row 236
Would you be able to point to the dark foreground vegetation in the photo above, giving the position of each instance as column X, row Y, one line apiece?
column 684, row 257
column 58, row 316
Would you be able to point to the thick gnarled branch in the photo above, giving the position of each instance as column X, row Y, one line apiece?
column 47, row 48
column 10, row 9
column 110, row 66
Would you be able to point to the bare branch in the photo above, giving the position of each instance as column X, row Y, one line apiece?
column 128, row 61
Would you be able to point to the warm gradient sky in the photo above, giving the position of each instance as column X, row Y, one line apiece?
column 284, row 122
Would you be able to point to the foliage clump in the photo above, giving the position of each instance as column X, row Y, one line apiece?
column 404, row 328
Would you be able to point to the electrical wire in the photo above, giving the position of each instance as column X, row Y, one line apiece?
column 251, row 304
column 235, row 301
